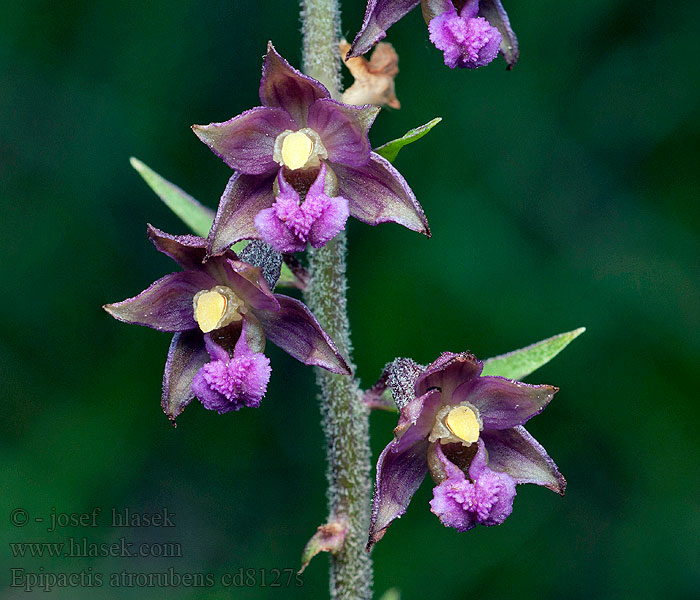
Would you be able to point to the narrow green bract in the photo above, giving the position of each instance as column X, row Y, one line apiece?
column 520, row 363
column 390, row 150
column 195, row 215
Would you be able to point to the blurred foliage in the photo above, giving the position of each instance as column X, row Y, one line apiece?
column 563, row 193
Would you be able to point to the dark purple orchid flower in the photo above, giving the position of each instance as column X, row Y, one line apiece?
column 467, row 431
column 221, row 311
column 302, row 163
column 469, row 32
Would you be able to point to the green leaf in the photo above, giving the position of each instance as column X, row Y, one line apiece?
column 391, row 149
column 195, row 215
column 520, row 363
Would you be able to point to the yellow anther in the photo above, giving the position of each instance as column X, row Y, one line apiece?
column 462, row 421
column 209, row 308
column 297, row 148
column 216, row 308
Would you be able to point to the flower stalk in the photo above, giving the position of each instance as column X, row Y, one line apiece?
column 345, row 418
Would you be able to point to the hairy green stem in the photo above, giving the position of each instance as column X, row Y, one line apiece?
column 320, row 27
column 345, row 418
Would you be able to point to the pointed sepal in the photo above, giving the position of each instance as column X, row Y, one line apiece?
column 495, row 14
column 379, row 16
column 186, row 356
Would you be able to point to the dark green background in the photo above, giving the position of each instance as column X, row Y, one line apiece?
column 561, row 194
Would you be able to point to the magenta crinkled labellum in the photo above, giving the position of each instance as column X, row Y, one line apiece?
column 290, row 223
column 229, row 383
column 467, row 41
column 485, row 499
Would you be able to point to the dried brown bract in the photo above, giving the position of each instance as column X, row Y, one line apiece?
column 374, row 78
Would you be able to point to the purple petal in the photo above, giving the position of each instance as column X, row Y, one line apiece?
column 284, row 225
column 246, row 142
column 444, row 468
column 188, row 251
column 494, row 492
column 273, row 231
column 493, row 12
column 209, row 397
column 328, row 214
column 377, row 193
column 244, row 197
column 254, row 333
column 166, row 305
column 330, row 223
column 282, row 85
column 447, row 507
column 418, row 416
column 470, row 9
column 504, row 403
column 517, row 453
column 294, row 329
column 318, row 187
column 216, row 351
column 343, row 130
column 379, row 16
column 448, row 372
column 186, row 356
column 479, row 463
column 249, row 285
column 226, row 338
column 401, row 468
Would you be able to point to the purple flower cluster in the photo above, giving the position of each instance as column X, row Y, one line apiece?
column 302, row 165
